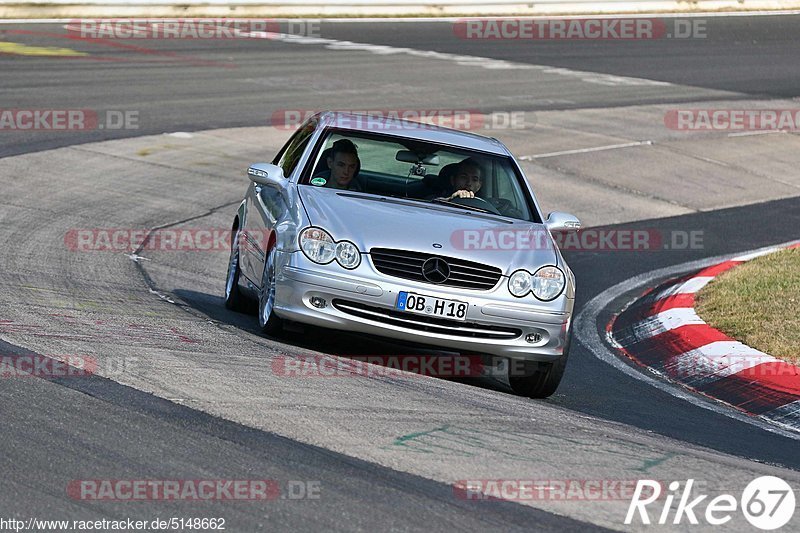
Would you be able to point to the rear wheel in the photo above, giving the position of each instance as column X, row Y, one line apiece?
column 268, row 322
column 234, row 299
column 538, row 380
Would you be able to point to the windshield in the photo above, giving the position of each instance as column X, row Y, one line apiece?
column 422, row 171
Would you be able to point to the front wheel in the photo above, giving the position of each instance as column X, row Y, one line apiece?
column 268, row 321
column 234, row 299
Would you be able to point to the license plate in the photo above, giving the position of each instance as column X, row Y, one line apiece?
column 428, row 305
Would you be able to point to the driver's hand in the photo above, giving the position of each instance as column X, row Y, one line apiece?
column 462, row 194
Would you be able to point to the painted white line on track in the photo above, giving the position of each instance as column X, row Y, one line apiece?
column 459, row 59
column 672, row 290
column 675, row 318
column 789, row 410
column 744, row 357
column 666, row 321
column 372, row 20
column 585, row 150
column 588, row 334
column 751, row 133
column 693, row 285
column 753, row 255
column 755, row 13
column 705, row 368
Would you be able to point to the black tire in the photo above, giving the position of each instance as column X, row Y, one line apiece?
column 538, row 380
column 268, row 322
column 234, row 299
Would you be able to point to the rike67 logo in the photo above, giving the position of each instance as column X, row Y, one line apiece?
column 767, row 503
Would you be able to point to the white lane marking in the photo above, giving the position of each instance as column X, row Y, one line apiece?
column 716, row 361
column 750, row 133
column 790, row 411
column 585, row 150
column 136, row 258
column 588, row 335
column 748, row 257
column 163, row 296
column 372, row 20
column 666, row 321
column 736, row 355
column 693, row 285
column 644, row 329
column 681, row 15
column 459, row 59
column 669, row 291
column 602, row 79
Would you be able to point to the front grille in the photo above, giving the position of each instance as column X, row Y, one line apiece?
column 408, row 265
column 425, row 323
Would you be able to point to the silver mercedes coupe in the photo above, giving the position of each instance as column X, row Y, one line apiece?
column 406, row 231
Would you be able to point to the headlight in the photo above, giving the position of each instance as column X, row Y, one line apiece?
column 347, row 254
column 520, row 283
column 318, row 245
column 548, row 282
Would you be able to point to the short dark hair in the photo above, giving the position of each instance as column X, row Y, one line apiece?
column 469, row 162
column 343, row 146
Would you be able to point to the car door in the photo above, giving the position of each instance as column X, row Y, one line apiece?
column 265, row 205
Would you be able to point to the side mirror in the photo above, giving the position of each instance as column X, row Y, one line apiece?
column 266, row 174
column 558, row 221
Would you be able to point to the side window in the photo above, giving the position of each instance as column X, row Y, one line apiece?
column 505, row 189
column 290, row 154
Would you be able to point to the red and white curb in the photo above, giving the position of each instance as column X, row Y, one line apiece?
column 662, row 331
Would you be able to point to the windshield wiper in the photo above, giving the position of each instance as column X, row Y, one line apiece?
column 454, row 204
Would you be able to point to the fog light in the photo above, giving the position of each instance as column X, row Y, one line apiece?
column 533, row 337
column 318, row 302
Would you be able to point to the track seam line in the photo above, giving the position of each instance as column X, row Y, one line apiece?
column 170, row 298
column 80, row 148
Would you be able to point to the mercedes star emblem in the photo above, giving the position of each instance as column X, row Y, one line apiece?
column 436, row 270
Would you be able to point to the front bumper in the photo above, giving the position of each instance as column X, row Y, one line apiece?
column 363, row 301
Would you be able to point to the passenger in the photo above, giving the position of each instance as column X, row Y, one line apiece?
column 343, row 165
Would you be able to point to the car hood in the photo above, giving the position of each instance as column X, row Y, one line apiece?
column 384, row 222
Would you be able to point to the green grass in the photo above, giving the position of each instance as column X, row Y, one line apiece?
column 758, row 303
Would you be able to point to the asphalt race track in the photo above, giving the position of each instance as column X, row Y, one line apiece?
column 187, row 390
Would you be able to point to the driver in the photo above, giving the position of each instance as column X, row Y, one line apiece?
column 467, row 180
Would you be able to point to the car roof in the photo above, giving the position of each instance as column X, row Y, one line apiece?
column 379, row 123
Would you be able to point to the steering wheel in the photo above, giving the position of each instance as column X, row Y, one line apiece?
column 478, row 203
